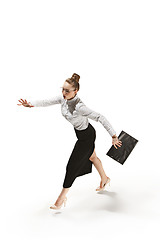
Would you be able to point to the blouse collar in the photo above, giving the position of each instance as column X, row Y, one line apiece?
column 72, row 100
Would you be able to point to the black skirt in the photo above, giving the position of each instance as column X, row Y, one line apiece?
column 79, row 163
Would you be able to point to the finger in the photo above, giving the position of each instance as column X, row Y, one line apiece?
column 22, row 100
column 19, row 104
column 119, row 144
column 115, row 146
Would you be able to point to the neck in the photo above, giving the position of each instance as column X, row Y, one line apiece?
column 72, row 98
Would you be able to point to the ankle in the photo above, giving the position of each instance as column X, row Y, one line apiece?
column 104, row 177
column 61, row 197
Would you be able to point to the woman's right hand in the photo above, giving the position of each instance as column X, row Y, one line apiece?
column 24, row 103
column 116, row 141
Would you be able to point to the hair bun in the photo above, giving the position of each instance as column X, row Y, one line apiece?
column 75, row 77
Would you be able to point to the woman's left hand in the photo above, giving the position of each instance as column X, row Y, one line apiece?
column 116, row 141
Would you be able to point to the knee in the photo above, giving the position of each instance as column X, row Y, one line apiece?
column 92, row 159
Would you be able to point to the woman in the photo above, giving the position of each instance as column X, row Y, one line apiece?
column 83, row 154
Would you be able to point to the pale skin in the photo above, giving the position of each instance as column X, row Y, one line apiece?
column 68, row 93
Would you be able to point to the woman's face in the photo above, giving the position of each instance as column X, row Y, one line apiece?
column 67, row 91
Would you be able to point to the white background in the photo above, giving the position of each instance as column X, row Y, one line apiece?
column 114, row 47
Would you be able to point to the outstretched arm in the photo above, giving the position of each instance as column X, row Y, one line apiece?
column 46, row 102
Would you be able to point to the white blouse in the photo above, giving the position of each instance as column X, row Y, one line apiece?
column 76, row 112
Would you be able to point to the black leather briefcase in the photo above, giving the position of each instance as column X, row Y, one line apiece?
column 121, row 153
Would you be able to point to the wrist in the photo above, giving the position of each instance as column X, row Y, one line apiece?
column 114, row 136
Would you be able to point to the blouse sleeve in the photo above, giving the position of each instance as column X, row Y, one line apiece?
column 46, row 102
column 89, row 113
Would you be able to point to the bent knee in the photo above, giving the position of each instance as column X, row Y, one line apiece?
column 93, row 158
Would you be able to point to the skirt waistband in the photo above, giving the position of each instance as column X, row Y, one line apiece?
column 88, row 133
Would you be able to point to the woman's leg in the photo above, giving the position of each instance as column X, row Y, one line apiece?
column 61, row 196
column 63, row 192
column 98, row 165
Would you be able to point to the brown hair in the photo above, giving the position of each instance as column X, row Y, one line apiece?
column 74, row 81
